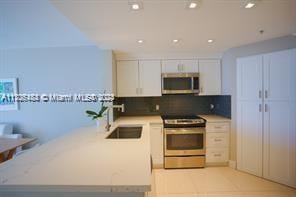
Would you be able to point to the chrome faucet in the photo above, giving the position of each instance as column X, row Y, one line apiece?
column 108, row 125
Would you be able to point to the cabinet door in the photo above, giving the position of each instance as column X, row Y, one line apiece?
column 210, row 77
column 150, row 78
column 127, row 78
column 279, row 117
column 277, row 78
column 170, row 66
column 249, row 137
column 279, row 142
column 249, row 78
column 156, row 141
column 189, row 66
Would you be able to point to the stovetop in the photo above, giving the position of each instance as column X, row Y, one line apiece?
column 166, row 117
column 183, row 121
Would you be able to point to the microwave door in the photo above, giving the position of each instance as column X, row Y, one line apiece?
column 177, row 85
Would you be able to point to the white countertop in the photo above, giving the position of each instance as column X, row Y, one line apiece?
column 214, row 118
column 84, row 161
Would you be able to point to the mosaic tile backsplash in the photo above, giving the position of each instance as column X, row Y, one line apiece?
column 175, row 105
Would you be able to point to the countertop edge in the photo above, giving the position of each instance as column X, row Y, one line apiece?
column 214, row 118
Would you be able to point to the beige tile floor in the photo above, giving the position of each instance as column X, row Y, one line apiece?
column 214, row 182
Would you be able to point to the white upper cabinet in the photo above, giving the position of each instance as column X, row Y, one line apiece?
column 249, row 78
column 179, row 66
column 127, row 78
column 277, row 78
column 189, row 66
column 170, row 66
column 150, row 78
column 138, row 78
column 209, row 77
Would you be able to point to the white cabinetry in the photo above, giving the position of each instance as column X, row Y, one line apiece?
column 210, row 77
column 156, row 144
column 266, row 114
column 179, row 66
column 249, row 120
column 217, row 143
column 138, row 78
column 150, row 78
column 127, row 78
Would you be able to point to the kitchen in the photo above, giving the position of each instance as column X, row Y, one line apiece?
column 207, row 115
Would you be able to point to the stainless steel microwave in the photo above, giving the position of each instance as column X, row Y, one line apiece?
column 180, row 83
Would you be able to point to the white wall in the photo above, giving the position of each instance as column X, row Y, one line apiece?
column 36, row 23
column 48, row 54
column 229, row 71
column 62, row 70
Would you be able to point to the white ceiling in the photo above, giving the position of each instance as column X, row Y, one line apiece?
column 112, row 25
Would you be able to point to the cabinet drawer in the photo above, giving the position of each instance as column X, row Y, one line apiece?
column 217, row 154
column 217, row 140
column 218, row 127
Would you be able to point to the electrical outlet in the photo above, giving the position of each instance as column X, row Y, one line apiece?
column 157, row 107
column 212, row 106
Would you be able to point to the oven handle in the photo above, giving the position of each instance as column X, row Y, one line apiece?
column 184, row 131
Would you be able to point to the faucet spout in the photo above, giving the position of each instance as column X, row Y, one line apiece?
column 108, row 125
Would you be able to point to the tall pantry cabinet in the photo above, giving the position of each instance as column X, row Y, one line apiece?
column 266, row 116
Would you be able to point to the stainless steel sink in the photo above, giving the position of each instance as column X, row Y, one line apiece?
column 126, row 132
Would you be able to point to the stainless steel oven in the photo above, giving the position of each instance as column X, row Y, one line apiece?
column 184, row 142
column 180, row 83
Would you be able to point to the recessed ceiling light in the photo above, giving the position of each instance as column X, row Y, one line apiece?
column 176, row 40
column 210, row 40
column 140, row 41
column 135, row 5
column 249, row 5
column 192, row 5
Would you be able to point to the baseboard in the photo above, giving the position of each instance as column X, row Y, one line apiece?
column 157, row 166
column 216, row 164
column 232, row 164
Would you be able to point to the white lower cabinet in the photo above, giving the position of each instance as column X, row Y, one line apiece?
column 217, row 143
column 156, row 144
column 217, row 139
column 216, row 155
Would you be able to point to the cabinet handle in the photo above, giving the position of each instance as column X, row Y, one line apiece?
column 260, row 108
column 217, row 155
column 201, row 89
column 260, row 94
column 265, row 93
column 179, row 67
column 218, row 127
column 218, row 140
column 265, row 108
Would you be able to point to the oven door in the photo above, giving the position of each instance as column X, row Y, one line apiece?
column 184, row 141
column 180, row 83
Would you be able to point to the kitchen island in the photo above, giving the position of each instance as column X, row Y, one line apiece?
column 83, row 163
